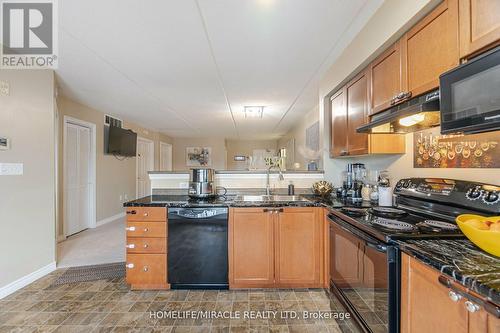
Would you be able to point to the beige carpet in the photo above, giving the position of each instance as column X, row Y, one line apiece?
column 104, row 244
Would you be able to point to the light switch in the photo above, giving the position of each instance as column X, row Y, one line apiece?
column 11, row 169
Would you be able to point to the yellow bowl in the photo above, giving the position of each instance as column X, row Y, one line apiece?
column 487, row 240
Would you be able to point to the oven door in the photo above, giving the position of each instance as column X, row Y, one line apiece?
column 470, row 97
column 363, row 274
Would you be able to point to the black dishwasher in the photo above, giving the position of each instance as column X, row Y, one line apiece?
column 197, row 248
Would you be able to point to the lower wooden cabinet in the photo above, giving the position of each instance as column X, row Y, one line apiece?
column 275, row 247
column 146, row 243
column 429, row 306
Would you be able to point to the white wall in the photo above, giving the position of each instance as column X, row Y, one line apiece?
column 27, row 202
column 218, row 146
column 388, row 23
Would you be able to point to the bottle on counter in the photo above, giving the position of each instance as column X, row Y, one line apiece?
column 366, row 192
column 291, row 189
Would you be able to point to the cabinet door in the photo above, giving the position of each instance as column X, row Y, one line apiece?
column 146, row 271
column 386, row 79
column 425, row 304
column 430, row 48
column 357, row 114
column 298, row 248
column 479, row 25
column 251, row 248
column 345, row 270
column 338, row 128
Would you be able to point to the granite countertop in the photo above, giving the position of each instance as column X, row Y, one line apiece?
column 462, row 261
column 183, row 201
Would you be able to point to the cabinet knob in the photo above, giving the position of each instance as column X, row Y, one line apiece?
column 471, row 307
column 146, row 229
column 130, row 265
column 130, row 228
column 454, row 296
column 146, row 246
column 145, row 268
column 146, row 214
column 130, row 246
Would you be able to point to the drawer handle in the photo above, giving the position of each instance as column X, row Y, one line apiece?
column 130, row 246
column 130, row 265
column 145, row 269
column 146, row 246
column 454, row 296
column 471, row 307
column 130, row 228
column 131, row 212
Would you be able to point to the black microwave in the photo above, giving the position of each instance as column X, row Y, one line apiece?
column 470, row 96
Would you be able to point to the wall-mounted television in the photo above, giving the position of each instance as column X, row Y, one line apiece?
column 122, row 142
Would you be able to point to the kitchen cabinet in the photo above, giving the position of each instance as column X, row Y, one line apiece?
column 386, row 79
column 429, row 306
column 430, row 48
column 275, row 247
column 338, row 142
column 357, row 111
column 146, row 244
column 349, row 110
column 251, row 247
column 479, row 25
column 298, row 247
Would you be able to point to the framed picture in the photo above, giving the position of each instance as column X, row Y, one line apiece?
column 198, row 156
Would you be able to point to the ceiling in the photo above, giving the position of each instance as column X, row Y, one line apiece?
column 188, row 67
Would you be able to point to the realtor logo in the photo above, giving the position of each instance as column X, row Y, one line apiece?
column 28, row 35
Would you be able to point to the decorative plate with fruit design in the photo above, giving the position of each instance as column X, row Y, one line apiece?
column 483, row 231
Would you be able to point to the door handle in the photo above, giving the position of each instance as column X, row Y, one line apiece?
column 377, row 247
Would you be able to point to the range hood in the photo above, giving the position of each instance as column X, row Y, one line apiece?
column 414, row 115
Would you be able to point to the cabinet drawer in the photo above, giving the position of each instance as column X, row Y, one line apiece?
column 146, row 245
column 158, row 214
column 146, row 229
column 146, row 269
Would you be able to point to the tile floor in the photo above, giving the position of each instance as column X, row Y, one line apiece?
column 109, row 306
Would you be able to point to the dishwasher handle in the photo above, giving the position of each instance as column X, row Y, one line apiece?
column 196, row 213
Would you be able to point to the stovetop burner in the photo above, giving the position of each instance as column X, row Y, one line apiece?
column 437, row 226
column 353, row 211
column 387, row 211
column 393, row 224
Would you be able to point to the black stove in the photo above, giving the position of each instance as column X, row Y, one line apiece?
column 366, row 261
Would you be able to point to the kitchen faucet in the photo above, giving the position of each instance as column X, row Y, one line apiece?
column 272, row 166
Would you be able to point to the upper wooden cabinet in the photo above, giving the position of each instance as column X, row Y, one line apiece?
column 479, row 25
column 430, row 48
column 387, row 79
column 357, row 111
column 349, row 110
column 338, row 126
column 275, row 247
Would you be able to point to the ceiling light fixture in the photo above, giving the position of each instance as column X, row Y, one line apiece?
column 253, row 111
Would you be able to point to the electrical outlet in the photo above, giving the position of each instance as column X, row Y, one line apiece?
column 4, row 88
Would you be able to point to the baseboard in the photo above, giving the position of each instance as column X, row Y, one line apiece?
column 61, row 238
column 110, row 219
column 27, row 279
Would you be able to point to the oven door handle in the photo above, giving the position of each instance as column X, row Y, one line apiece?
column 377, row 247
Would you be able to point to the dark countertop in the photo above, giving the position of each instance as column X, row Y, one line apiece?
column 183, row 201
column 460, row 260
column 246, row 172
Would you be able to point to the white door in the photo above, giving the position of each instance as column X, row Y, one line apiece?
column 165, row 157
column 145, row 163
column 77, row 179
